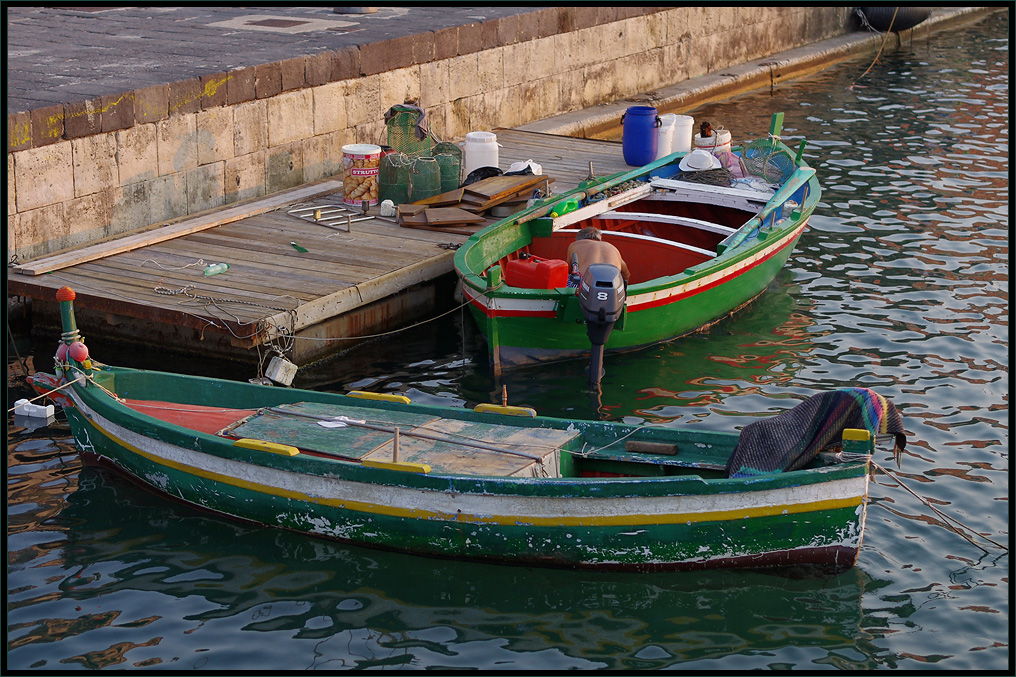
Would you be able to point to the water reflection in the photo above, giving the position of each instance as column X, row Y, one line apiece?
column 329, row 605
column 764, row 343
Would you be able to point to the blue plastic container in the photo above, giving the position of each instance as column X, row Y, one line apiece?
column 639, row 138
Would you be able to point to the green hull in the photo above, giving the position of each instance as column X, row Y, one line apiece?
column 688, row 520
column 526, row 325
column 523, row 340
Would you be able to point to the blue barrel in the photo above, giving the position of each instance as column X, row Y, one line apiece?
column 638, row 135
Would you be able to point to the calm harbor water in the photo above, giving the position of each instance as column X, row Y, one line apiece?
column 900, row 284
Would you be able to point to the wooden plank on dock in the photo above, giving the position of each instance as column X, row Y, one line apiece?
column 193, row 225
column 366, row 292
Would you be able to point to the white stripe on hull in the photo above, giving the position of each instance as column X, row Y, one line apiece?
column 460, row 507
column 503, row 304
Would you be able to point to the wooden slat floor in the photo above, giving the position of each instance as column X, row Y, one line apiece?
column 164, row 282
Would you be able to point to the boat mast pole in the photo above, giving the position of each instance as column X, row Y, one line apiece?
column 66, row 296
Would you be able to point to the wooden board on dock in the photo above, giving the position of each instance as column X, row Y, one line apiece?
column 483, row 195
column 442, row 217
column 498, row 187
column 451, row 197
column 175, row 230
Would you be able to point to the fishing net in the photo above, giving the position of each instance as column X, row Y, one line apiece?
column 393, row 178
column 408, row 130
column 766, row 159
column 711, row 177
column 449, row 157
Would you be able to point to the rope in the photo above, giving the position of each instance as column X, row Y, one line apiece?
column 50, row 392
column 709, row 177
column 199, row 262
column 185, row 290
column 938, row 512
column 583, row 453
column 284, row 334
column 149, row 405
column 884, row 40
column 386, row 333
column 91, row 379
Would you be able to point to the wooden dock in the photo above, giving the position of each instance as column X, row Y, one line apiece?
column 294, row 284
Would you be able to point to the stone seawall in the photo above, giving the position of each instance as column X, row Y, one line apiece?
column 84, row 171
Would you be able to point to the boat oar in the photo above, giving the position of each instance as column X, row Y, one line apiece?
column 798, row 179
column 411, row 433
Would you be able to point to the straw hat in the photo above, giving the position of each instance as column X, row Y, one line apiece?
column 698, row 160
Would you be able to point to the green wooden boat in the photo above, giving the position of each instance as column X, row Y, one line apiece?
column 697, row 252
column 494, row 483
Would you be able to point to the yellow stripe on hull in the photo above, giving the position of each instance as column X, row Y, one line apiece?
column 554, row 514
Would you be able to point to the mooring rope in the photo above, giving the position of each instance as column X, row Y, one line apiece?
column 50, row 392
column 884, row 40
column 938, row 512
column 385, row 333
column 22, row 363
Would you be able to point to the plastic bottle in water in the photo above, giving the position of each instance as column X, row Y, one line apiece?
column 216, row 268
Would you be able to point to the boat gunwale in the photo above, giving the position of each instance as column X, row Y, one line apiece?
column 731, row 256
column 717, row 264
column 603, row 511
column 351, row 470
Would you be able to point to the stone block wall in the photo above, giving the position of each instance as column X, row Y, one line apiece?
column 81, row 172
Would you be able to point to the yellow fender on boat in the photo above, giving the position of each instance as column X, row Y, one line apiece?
column 505, row 409
column 271, row 447
column 383, row 397
column 396, row 465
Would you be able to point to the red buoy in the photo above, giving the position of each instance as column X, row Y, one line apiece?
column 78, row 351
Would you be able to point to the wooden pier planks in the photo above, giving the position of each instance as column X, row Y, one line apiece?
column 152, row 275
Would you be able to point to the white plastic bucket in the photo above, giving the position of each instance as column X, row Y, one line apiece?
column 716, row 144
column 360, row 163
column 479, row 150
column 683, row 125
column 665, row 135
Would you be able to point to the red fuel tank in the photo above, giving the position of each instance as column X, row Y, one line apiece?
column 536, row 273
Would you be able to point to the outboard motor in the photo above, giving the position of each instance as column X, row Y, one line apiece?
column 601, row 296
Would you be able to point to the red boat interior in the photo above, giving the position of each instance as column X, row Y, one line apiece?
column 652, row 248
column 194, row 416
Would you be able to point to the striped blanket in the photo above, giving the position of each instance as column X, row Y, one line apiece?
column 790, row 440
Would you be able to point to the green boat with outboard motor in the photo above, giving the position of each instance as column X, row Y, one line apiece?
column 701, row 241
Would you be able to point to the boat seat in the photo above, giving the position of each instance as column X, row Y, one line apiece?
column 679, row 186
column 685, row 191
column 612, row 234
column 664, row 218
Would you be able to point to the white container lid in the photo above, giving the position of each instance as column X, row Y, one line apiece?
column 361, row 148
column 482, row 137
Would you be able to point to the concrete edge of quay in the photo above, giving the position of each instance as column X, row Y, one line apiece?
column 604, row 120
